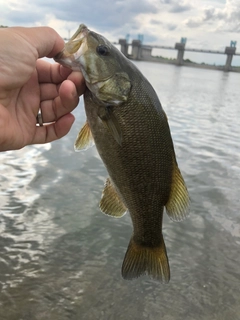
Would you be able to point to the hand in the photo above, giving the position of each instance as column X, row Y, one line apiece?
column 28, row 83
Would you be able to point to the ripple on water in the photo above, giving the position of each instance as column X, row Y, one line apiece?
column 60, row 257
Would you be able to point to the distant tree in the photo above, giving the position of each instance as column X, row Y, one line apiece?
column 3, row 26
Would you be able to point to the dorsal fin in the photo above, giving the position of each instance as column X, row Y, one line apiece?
column 84, row 139
column 110, row 203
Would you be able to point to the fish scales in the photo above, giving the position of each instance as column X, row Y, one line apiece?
column 137, row 167
column 130, row 129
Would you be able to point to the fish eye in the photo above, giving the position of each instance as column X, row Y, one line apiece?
column 102, row 50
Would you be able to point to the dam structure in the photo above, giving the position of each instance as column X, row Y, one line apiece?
column 144, row 53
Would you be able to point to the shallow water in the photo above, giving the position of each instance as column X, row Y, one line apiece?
column 60, row 257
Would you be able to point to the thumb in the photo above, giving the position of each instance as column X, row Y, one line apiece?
column 45, row 40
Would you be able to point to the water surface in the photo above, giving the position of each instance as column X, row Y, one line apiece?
column 60, row 257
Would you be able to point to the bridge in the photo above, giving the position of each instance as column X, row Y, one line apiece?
column 144, row 52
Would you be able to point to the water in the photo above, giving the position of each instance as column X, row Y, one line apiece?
column 60, row 257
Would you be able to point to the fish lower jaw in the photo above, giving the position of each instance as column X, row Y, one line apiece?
column 66, row 62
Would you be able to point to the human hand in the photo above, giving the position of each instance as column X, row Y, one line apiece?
column 28, row 84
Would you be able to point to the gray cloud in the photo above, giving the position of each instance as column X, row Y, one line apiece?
column 21, row 18
column 101, row 14
column 117, row 18
column 225, row 19
column 209, row 14
column 177, row 7
column 156, row 22
column 171, row 26
column 22, row 15
column 193, row 23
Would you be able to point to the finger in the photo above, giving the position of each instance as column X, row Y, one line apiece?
column 77, row 78
column 51, row 72
column 63, row 104
column 48, row 91
column 53, row 131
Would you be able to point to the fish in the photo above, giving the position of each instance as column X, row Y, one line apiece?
column 126, row 122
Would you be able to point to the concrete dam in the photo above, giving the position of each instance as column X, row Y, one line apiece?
column 144, row 53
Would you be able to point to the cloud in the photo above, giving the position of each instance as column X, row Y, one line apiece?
column 167, row 26
column 171, row 26
column 156, row 22
column 22, row 18
column 176, row 6
column 160, row 21
column 100, row 14
column 121, row 16
column 223, row 19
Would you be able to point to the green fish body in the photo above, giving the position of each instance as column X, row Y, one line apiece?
column 131, row 132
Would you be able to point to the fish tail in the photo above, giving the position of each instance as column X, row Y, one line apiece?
column 140, row 260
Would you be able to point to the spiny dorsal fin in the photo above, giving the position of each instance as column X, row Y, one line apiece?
column 178, row 203
column 110, row 203
column 108, row 118
column 140, row 260
column 84, row 139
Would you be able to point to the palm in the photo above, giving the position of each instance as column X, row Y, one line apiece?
column 44, row 90
column 19, row 116
column 28, row 84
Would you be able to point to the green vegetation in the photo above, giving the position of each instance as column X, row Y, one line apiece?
column 173, row 59
column 164, row 58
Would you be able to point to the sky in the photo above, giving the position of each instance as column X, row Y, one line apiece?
column 207, row 24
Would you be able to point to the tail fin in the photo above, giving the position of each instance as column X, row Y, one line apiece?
column 140, row 260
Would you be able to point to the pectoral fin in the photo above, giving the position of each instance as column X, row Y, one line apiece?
column 110, row 203
column 84, row 139
column 108, row 118
column 178, row 203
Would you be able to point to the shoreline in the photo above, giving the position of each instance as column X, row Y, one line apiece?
column 186, row 64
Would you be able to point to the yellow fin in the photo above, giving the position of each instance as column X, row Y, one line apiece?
column 110, row 203
column 178, row 204
column 108, row 118
column 140, row 260
column 84, row 139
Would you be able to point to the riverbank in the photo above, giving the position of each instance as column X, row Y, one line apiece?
column 187, row 63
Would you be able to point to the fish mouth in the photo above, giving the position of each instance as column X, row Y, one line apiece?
column 74, row 48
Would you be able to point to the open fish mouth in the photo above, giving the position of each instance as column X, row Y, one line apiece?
column 74, row 48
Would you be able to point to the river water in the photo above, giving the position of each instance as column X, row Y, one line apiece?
column 60, row 257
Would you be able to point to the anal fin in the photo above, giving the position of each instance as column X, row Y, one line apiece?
column 178, row 204
column 84, row 139
column 110, row 203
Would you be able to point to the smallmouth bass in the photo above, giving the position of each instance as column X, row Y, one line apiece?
column 126, row 121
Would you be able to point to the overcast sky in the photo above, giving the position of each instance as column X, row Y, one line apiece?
column 210, row 24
